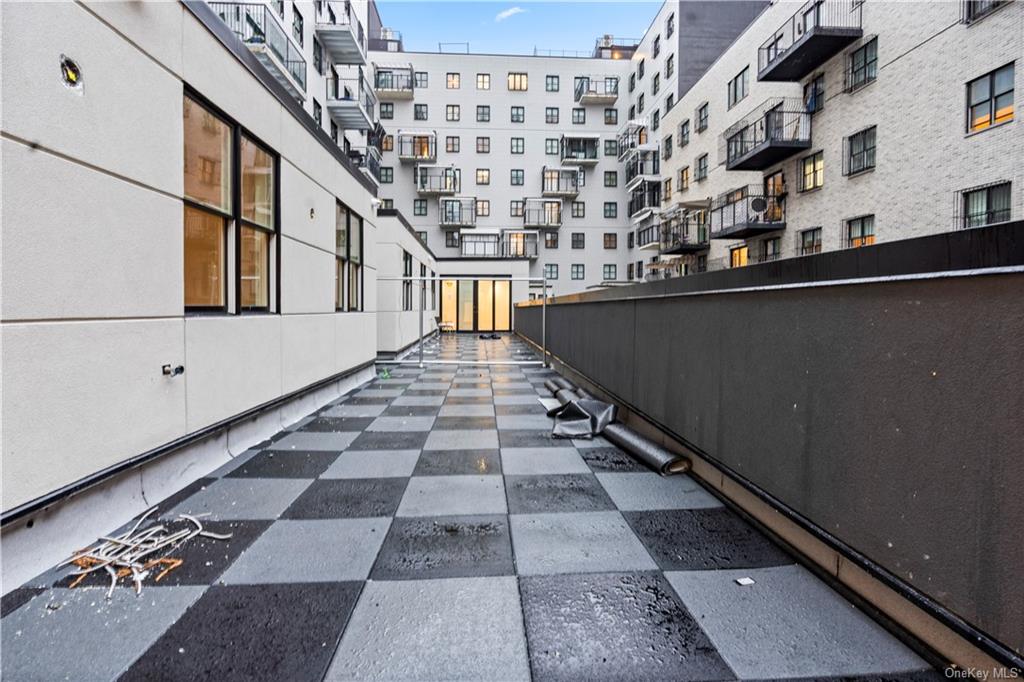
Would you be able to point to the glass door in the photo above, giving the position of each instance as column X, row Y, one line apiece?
column 485, row 305
column 449, row 303
column 466, row 305
column 502, row 305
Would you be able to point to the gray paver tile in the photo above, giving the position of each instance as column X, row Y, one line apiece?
column 646, row 491
column 229, row 499
column 317, row 440
column 458, row 439
column 373, row 464
column 452, row 495
column 585, row 542
column 534, row 461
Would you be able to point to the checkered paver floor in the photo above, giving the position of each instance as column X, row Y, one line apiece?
column 427, row 527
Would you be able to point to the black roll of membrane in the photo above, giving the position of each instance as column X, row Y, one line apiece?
column 640, row 448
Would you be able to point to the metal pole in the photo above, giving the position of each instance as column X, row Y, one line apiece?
column 544, row 322
column 423, row 304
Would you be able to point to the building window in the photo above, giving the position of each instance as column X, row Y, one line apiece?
column 738, row 256
column 629, row 239
column 632, row 112
column 814, row 94
column 684, row 178
column 640, row 103
column 990, row 99
column 483, row 81
column 702, row 117
column 407, row 283
column 518, row 114
column 579, row 209
column 577, row 271
column 611, row 240
column 348, row 273
column 611, row 148
column 387, row 204
column 551, row 146
column 813, row 175
column 517, row 82
column 518, row 145
column 737, row 89
column 860, row 151
column 579, row 115
column 550, row 240
column 609, row 273
column 670, row 66
column 973, row 10
column 452, row 112
column 517, row 208
column 452, row 143
column 632, row 82
column 684, row 133
column 419, row 112
column 655, row 120
column 702, row 168
column 655, row 84
column 657, row 46
column 666, row 190
column 810, row 241
column 297, row 26
column 453, row 81
column 483, row 176
column 419, row 207
column 551, row 115
column 451, row 239
column 611, row 179
column 986, row 205
column 771, row 249
column 483, row 145
column 578, row 240
column 666, row 148
column 518, row 176
column 640, row 70
column 387, row 143
column 422, row 235
column 611, row 116
column 670, row 25
column 483, row 208
column 670, row 101
column 611, row 209
column 629, row 271
column 483, row 113
column 551, row 83
column 387, row 175
column 860, row 231
column 387, row 111
column 318, row 112
column 551, row 270
column 420, row 79
column 334, row 134
column 863, row 66
column 318, row 56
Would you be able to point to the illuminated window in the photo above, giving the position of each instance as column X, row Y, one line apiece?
column 813, row 172
column 738, row 257
column 453, row 81
column 810, row 241
column 517, row 82
column 483, row 81
column 860, row 231
column 990, row 99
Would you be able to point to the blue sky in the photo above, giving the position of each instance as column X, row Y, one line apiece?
column 514, row 27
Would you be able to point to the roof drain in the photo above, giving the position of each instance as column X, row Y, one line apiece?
column 582, row 415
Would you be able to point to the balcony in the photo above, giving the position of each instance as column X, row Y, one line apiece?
column 649, row 238
column 368, row 160
column 393, row 82
column 644, row 199
column 597, row 90
column 507, row 245
column 417, row 147
column 258, row 27
column 351, row 102
column 774, row 131
column 341, row 33
column 642, row 166
column 747, row 212
column 560, row 182
column 438, row 180
column 633, row 138
column 542, row 213
column 580, row 149
column 457, row 213
column 614, row 47
column 684, row 231
column 388, row 40
column 812, row 36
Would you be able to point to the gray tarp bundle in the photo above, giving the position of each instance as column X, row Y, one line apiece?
column 581, row 415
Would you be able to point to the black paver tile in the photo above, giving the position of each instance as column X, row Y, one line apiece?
column 389, row 440
column 556, row 493
column 445, row 547
column 348, row 498
column 458, row 463
column 285, row 464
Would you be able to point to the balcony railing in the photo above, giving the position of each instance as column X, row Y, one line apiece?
column 394, row 82
column 514, row 245
column 819, row 30
column 614, row 47
column 417, row 147
column 388, row 40
column 257, row 26
column 368, row 160
column 641, row 166
column 597, row 90
column 684, row 232
column 341, row 33
column 541, row 213
column 351, row 102
column 746, row 212
column 457, row 212
column 646, row 197
column 633, row 137
column 445, row 180
column 579, row 149
column 560, row 182
column 649, row 237
column 774, row 131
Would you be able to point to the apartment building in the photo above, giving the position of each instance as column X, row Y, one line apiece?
column 839, row 124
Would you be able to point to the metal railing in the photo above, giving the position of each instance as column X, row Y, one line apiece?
column 457, row 212
column 354, row 89
column 632, row 136
column 495, row 246
column 367, row 157
column 255, row 24
column 644, row 163
column 597, row 86
column 343, row 14
column 648, row 235
column 558, row 181
column 417, row 147
column 394, row 80
column 679, row 230
column 579, row 149
column 746, row 206
column 609, row 43
column 813, row 14
column 646, row 196
column 388, row 40
column 542, row 213
column 775, row 120
column 438, row 179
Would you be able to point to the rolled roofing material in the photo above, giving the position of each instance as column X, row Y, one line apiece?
column 552, row 386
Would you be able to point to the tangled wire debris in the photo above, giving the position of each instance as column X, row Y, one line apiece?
column 131, row 554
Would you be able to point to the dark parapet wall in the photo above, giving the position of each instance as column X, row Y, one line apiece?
column 887, row 411
column 706, row 29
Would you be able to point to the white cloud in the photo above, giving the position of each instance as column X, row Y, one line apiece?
column 510, row 12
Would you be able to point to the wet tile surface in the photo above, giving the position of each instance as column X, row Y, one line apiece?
column 390, row 534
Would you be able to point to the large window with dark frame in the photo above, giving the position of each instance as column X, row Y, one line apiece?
column 985, row 205
column 810, row 241
column 860, row 231
column 990, row 99
column 863, row 65
column 860, row 152
column 348, row 276
column 230, row 205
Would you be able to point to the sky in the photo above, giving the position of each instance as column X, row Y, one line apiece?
column 514, row 27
